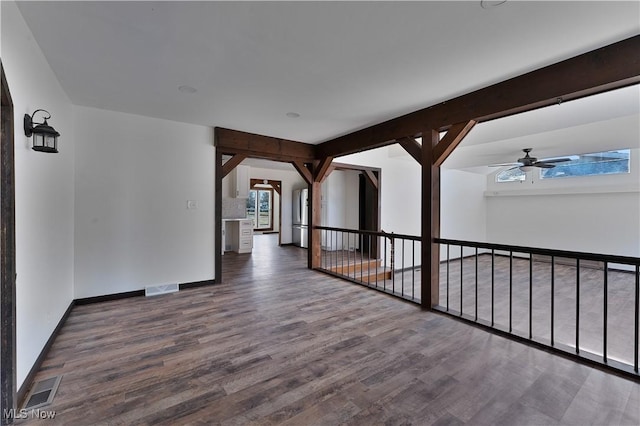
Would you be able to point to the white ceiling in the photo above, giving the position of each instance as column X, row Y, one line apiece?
column 342, row 66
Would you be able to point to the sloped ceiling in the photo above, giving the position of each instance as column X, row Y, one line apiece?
column 341, row 66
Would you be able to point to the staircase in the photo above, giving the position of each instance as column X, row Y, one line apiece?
column 368, row 271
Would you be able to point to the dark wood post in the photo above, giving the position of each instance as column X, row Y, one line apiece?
column 430, row 221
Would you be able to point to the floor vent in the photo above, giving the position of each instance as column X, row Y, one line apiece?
column 42, row 393
column 155, row 290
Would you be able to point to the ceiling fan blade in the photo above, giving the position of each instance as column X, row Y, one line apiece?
column 505, row 165
column 544, row 165
column 555, row 160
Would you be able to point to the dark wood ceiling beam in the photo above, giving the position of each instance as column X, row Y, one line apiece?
column 322, row 169
column 231, row 163
column 412, row 147
column 304, row 171
column 230, row 141
column 610, row 67
column 451, row 140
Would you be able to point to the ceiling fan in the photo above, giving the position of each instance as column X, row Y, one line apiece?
column 527, row 163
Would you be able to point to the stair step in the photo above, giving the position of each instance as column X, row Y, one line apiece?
column 356, row 266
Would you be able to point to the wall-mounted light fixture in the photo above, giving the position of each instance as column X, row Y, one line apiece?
column 45, row 137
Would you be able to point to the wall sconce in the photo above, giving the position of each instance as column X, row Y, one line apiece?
column 45, row 137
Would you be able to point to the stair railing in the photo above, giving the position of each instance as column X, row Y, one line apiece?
column 380, row 260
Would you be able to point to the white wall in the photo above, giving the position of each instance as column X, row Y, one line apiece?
column 598, row 214
column 44, row 193
column 341, row 208
column 134, row 176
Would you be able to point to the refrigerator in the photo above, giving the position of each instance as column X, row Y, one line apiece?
column 300, row 217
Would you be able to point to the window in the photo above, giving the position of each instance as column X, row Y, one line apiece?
column 511, row 175
column 261, row 201
column 598, row 163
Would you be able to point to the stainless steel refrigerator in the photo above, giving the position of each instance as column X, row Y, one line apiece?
column 300, row 217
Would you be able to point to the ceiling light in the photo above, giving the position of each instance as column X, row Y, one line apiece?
column 293, row 115
column 187, row 89
column 526, row 168
column 488, row 4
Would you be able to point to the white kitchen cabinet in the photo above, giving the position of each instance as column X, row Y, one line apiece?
column 240, row 181
column 239, row 235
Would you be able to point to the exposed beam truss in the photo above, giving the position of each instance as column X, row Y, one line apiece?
column 607, row 68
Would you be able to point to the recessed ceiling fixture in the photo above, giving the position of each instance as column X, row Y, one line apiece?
column 489, row 4
column 187, row 89
column 293, row 115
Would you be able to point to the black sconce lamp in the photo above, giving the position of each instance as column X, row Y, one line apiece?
column 45, row 137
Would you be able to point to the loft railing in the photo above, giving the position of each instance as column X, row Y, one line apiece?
column 583, row 304
column 383, row 261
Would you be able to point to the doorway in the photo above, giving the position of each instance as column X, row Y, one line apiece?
column 368, row 213
column 264, row 206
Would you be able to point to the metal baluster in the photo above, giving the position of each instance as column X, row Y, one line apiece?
column 369, row 257
column 493, row 279
column 448, row 246
column 342, row 252
column 413, row 270
column 604, row 312
column 384, row 277
column 334, row 259
column 530, row 296
column 377, row 255
column 553, row 296
column 360, row 241
column 393, row 263
column 635, row 347
column 461, row 279
column 476, row 298
column 510, row 291
column 577, row 305
column 402, row 266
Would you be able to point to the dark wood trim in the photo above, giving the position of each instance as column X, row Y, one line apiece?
column 275, row 184
column 196, row 284
column 109, row 297
column 217, row 216
column 607, row 68
column 451, row 140
column 315, row 217
column 322, row 170
column 28, row 381
column 356, row 167
column 430, row 273
column 304, row 171
column 231, row 163
column 8, row 359
column 259, row 146
column 412, row 147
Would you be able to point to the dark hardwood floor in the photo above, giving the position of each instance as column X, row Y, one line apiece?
column 276, row 343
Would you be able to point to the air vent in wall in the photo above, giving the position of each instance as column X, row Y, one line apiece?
column 154, row 290
column 42, row 393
